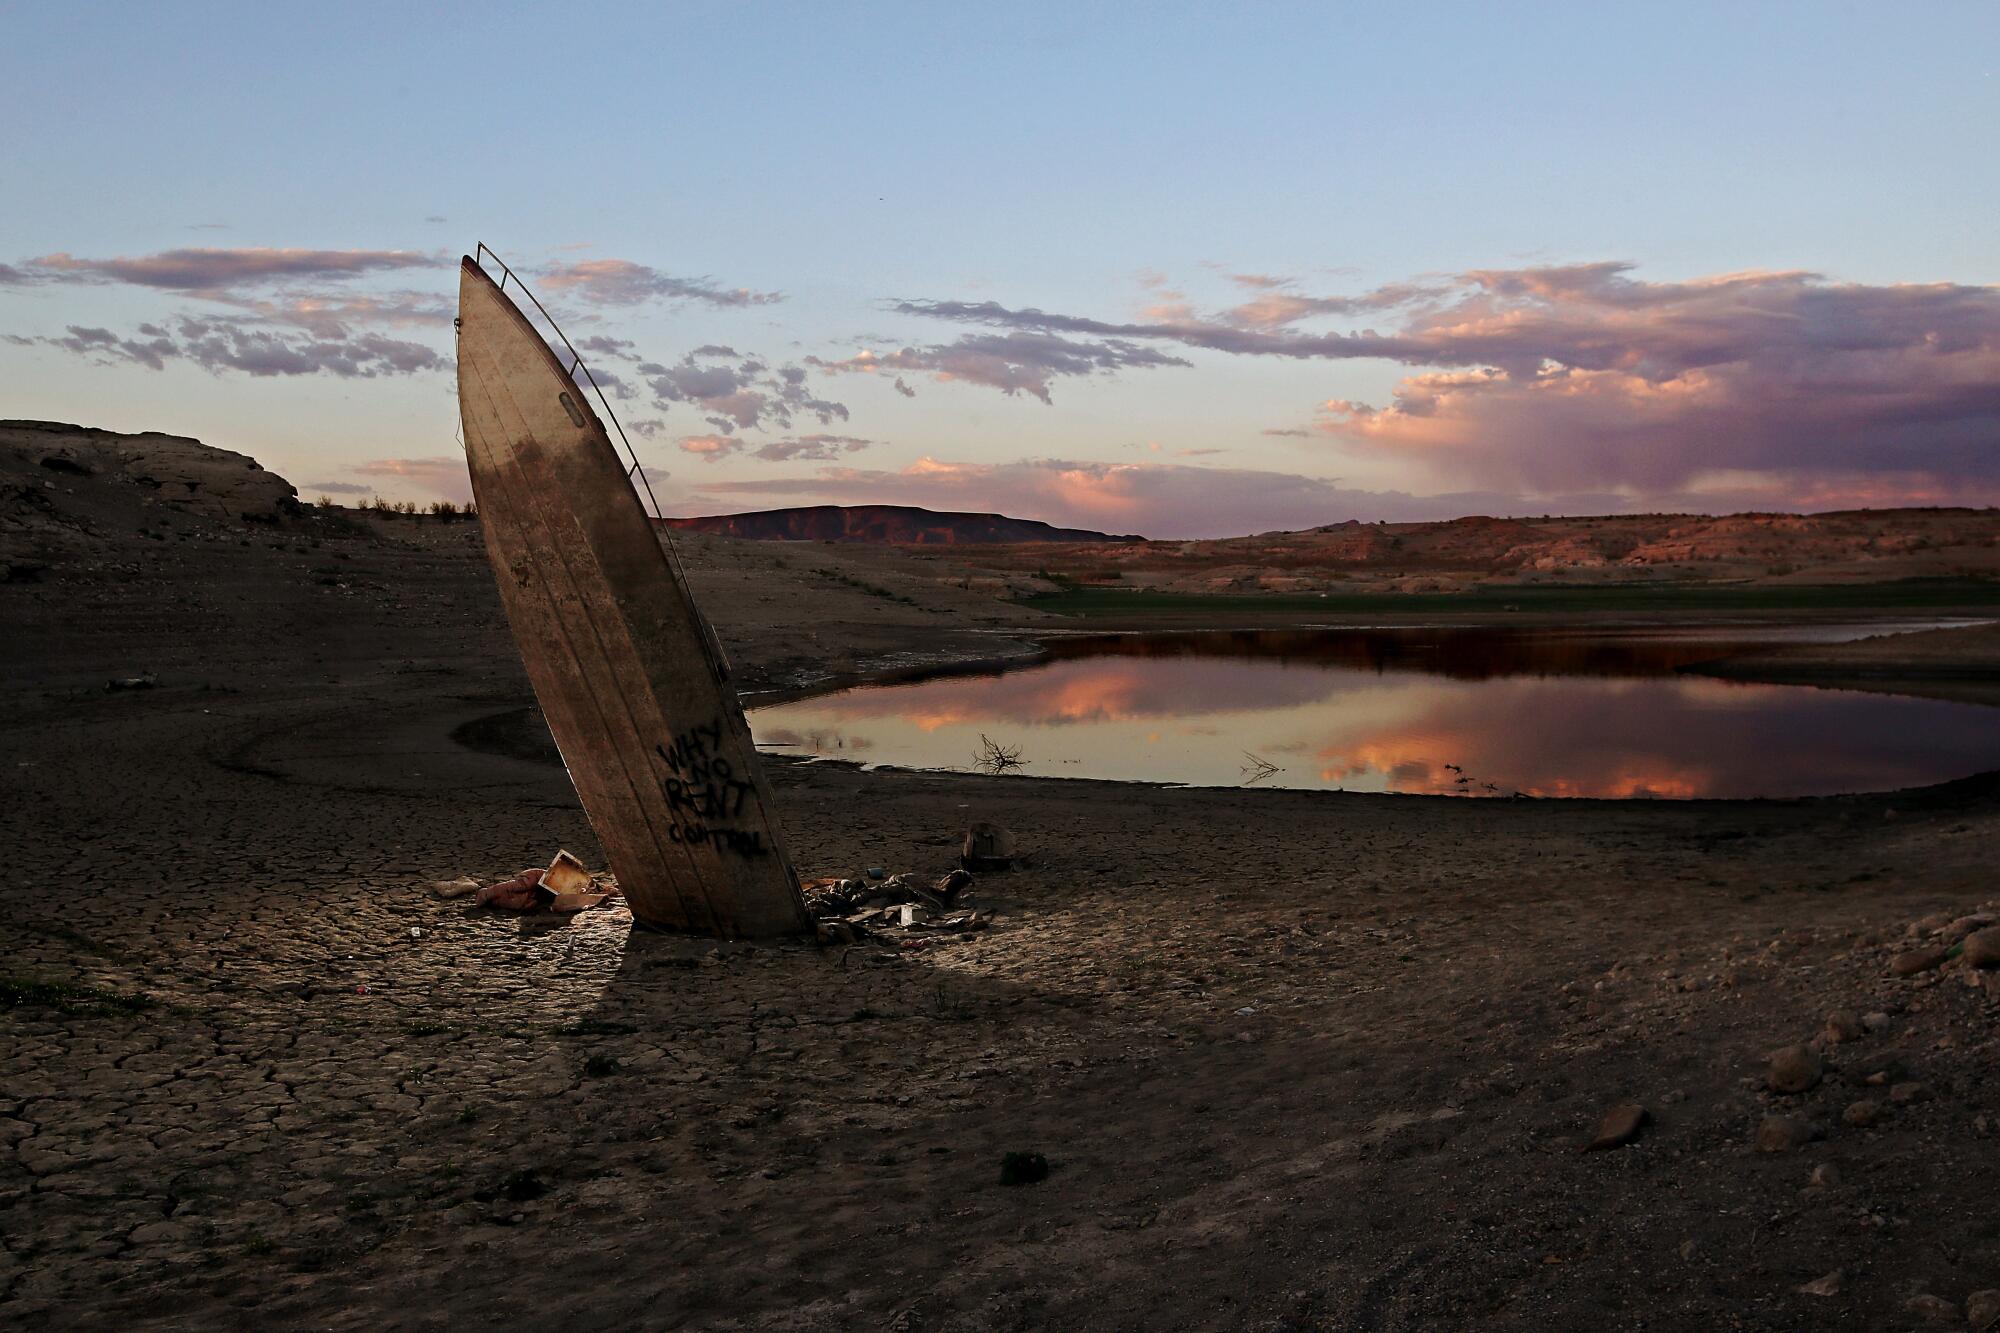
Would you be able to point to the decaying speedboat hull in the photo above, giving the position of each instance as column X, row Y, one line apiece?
column 621, row 661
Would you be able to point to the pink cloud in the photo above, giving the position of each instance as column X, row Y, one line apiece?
column 1582, row 376
column 1157, row 499
column 444, row 476
column 623, row 282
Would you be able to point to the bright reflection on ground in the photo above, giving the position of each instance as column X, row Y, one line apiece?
column 1479, row 712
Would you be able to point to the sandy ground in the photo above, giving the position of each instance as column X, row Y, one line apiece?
column 1943, row 664
column 1297, row 1060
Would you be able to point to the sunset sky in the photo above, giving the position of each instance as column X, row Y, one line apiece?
column 1179, row 270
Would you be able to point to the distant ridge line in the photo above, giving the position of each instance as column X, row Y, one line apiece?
column 886, row 524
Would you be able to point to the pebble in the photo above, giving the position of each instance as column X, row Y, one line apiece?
column 1904, row 1093
column 1782, row 1133
column 1620, row 1126
column 1823, row 1286
column 1934, row 1308
column 1826, row 1175
column 1875, row 1022
column 1862, row 1114
column 1843, row 1026
column 1794, row 1069
column 1915, row 961
column 1982, row 1309
column 1982, row 948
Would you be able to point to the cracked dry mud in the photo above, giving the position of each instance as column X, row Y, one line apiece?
column 1296, row 1060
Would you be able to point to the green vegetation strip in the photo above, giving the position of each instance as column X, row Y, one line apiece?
column 68, row 997
column 1901, row 594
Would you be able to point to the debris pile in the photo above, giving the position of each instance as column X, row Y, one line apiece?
column 897, row 907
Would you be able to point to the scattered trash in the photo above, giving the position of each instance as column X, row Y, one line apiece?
column 145, row 682
column 988, row 847
column 564, row 887
column 876, row 872
column 565, row 876
column 518, row 894
column 416, row 932
column 848, row 911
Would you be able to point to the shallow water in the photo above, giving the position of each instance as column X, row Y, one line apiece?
column 1472, row 711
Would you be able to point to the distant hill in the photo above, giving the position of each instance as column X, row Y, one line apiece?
column 1849, row 546
column 902, row 524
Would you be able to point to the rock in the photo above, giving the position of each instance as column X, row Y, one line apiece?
column 1823, row 1286
column 1842, row 1026
column 67, row 462
column 1826, row 1175
column 1862, row 1114
column 1619, row 1126
column 462, row 887
column 1794, row 1069
column 951, row 885
column 1783, row 1133
column 1904, row 1093
column 1964, row 926
column 1982, row 948
column 1023, row 1168
column 1875, row 1022
column 1936, row 1309
column 1915, row 961
column 1982, row 1309
column 988, row 847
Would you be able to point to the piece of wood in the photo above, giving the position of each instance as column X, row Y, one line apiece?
column 625, row 669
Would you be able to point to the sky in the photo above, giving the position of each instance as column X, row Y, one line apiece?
column 1177, row 270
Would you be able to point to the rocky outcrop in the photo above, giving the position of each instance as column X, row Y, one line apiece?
column 177, row 470
column 67, row 491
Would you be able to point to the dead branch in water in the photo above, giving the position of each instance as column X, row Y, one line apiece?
column 994, row 757
column 1258, row 768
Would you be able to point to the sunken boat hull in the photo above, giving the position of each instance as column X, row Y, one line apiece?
column 626, row 671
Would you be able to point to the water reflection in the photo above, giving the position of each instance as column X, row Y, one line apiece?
column 1478, row 712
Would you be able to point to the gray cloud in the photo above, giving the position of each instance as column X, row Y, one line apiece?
column 1020, row 362
column 804, row 447
column 205, row 271
column 619, row 349
column 623, row 282
column 741, row 395
column 335, row 488
column 230, row 344
column 716, row 447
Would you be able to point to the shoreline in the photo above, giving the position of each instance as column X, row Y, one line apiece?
column 268, row 1079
